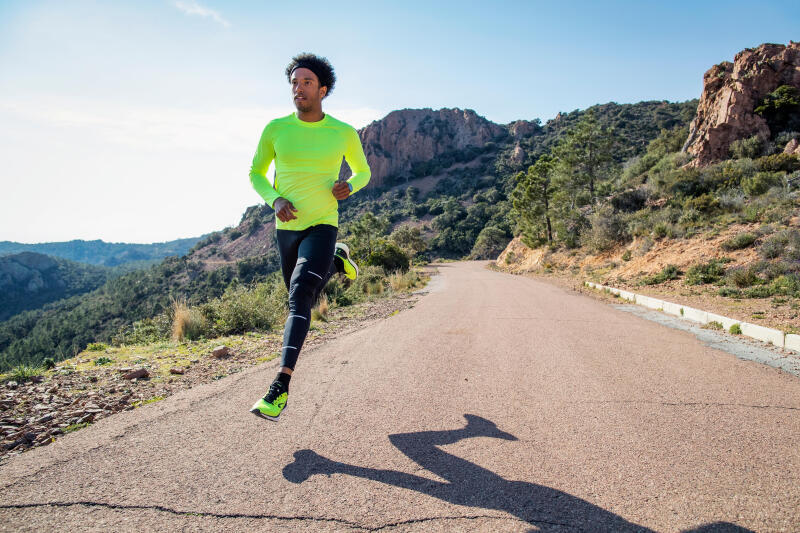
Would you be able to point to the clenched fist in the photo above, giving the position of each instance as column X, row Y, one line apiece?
column 284, row 209
column 341, row 190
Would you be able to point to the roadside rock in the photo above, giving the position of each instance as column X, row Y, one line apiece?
column 136, row 374
column 221, row 351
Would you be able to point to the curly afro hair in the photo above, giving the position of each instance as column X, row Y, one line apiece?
column 318, row 65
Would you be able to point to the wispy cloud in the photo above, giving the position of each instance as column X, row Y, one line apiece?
column 193, row 8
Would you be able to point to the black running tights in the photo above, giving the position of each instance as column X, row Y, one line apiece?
column 307, row 265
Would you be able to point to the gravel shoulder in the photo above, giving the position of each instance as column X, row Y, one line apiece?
column 79, row 392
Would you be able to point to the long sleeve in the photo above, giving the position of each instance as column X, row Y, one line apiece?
column 354, row 155
column 265, row 153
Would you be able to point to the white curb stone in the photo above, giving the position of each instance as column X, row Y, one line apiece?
column 772, row 336
column 672, row 309
column 650, row 303
column 696, row 315
column 792, row 342
column 627, row 295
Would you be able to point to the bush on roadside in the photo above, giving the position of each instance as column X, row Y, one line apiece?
column 667, row 273
column 242, row 309
column 606, row 231
column 710, row 272
column 389, row 256
column 742, row 277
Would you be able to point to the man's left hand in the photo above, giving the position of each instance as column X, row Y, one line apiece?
column 341, row 190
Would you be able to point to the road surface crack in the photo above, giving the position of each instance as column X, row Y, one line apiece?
column 276, row 517
column 690, row 404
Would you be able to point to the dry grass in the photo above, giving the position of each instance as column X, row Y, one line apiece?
column 403, row 281
column 187, row 323
column 375, row 287
column 320, row 312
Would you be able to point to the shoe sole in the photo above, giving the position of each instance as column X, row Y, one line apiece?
column 346, row 258
column 259, row 414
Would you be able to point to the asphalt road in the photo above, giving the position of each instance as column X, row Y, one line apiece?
column 496, row 403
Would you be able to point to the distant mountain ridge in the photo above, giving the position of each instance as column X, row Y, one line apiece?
column 29, row 280
column 98, row 252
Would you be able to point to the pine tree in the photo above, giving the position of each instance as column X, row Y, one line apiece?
column 532, row 200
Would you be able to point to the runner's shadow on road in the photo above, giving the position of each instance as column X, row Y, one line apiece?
column 471, row 485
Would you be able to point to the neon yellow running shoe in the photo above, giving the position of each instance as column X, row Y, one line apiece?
column 271, row 405
column 343, row 253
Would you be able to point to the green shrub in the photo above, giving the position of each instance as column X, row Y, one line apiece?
column 626, row 256
column 667, row 273
column 785, row 244
column 749, row 148
column 788, row 285
column 759, row 291
column 714, row 325
column 705, row 203
column 145, row 331
column 100, row 361
column 606, row 231
column 736, row 329
column 49, row 363
column 739, row 241
column 781, row 109
column 242, row 309
column 97, row 347
column 709, row 272
column 729, row 292
column 761, row 182
column 778, row 163
column 389, row 256
column 660, row 230
column 752, row 213
column 742, row 276
column 21, row 373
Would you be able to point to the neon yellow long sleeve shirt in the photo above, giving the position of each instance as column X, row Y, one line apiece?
column 308, row 157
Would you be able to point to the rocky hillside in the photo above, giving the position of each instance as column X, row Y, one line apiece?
column 731, row 94
column 711, row 221
column 404, row 138
column 29, row 280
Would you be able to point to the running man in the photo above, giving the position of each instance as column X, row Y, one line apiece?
column 307, row 147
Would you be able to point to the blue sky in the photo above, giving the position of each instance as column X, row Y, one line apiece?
column 137, row 121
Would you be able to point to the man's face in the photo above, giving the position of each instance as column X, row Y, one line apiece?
column 306, row 92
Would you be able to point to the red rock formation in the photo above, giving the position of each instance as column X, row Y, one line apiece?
column 400, row 139
column 730, row 93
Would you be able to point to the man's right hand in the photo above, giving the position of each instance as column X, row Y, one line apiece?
column 284, row 209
